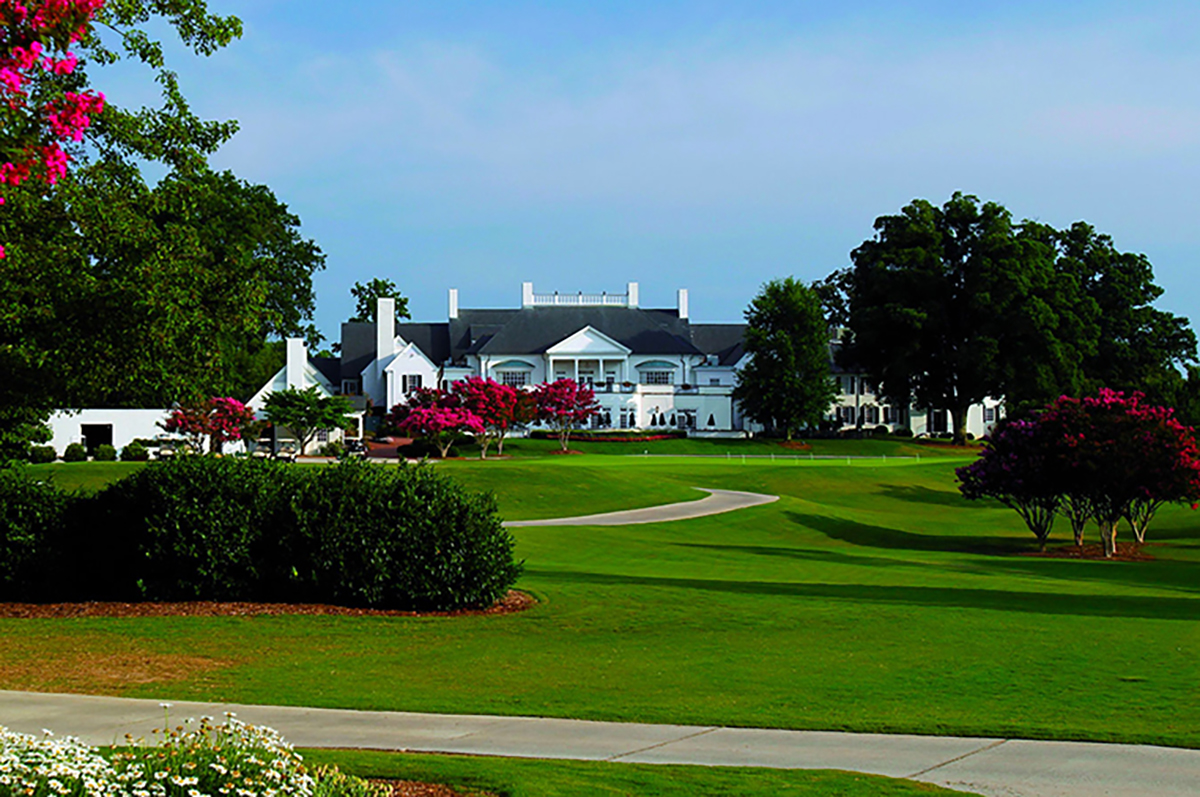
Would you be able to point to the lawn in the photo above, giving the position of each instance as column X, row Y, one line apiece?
column 517, row 777
column 870, row 598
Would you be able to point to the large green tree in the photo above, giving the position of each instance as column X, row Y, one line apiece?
column 787, row 385
column 120, row 292
column 942, row 298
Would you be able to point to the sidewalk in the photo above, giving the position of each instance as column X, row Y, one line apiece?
column 995, row 767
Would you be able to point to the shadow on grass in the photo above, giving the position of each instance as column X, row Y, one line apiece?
column 883, row 537
column 1049, row 603
column 808, row 555
column 917, row 494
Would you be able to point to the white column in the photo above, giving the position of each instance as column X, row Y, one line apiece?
column 575, row 362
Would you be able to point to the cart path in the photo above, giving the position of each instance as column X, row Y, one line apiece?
column 992, row 767
column 718, row 501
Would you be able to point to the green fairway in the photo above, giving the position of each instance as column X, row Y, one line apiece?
column 869, row 598
column 518, row 777
column 81, row 475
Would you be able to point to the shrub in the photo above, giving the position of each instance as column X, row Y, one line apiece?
column 105, row 453
column 40, row 455
column 903, row 431
column 135, row 452
column 402, row 538
column 331, row 449
column 189, row 529
column 75, row 452
column 355, row 534
column 880, row 431
column 33, row 516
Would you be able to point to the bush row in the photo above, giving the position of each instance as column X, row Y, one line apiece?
column 202, row 528
column 611, row 436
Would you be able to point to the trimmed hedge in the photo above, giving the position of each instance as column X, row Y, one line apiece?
column 75, row 452
column 135, row 452
column 40, row 455
column 355, row 534
column 105, row 453
column 33, row 518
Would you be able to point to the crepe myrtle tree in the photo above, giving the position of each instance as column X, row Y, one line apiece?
column 1017, row 467
column 306, row 412
column 563, row 405
column 443, row 426
column 220, row 419
column 1120, row 457
column 493, row 403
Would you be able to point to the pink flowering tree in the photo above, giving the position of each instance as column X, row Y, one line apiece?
column 1120, row 458
column 1102, row 458
column 40, row 115
column 443, row 426
column 564, row 405
column 220, row 420
column 493, row 403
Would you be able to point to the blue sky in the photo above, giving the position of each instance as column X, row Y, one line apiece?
column 711, row 146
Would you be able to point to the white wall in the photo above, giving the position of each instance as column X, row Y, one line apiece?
column 127, row 425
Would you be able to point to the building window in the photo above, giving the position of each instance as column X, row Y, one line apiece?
column 322, row 435
column 872, row 415
column 937, row 421
column 657, row 377
column 514, row 378
column 349, row 387
column 714, row 382
column 847, row 415
column 848, row 385
column 989, row 414
column 409, row 383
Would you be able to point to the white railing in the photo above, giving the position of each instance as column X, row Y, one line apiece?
column 580, row 299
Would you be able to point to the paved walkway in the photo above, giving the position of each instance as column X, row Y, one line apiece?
column 994, row 767
column 717, row 502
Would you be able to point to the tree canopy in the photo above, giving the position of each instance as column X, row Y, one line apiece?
column 366, row 297
column 787, row 384
column 950, row 304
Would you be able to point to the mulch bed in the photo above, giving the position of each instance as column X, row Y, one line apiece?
column 568, row 451
column 1126, row 552
column 514, row 601
column 794, row 445
column 413, row 788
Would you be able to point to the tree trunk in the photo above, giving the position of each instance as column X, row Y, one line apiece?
column 958, row 418
column 483, row 445
column 1108, row 534
column 564, row 437
column 1077, row 528
column 500, row 443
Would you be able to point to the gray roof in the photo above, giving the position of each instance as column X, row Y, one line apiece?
column 358, row 347
column 724, row 340
column 533, row 330
column 330, row 368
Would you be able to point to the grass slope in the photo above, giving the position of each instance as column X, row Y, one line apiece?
column 516, row 777
column 870, row 598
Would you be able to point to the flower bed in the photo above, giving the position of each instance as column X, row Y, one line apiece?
column 204, row 759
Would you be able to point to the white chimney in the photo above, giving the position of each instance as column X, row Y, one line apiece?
column 527, row 294
column 681, row 303
column 632, row 292
column 453, row 303
column 297, row 358
column 385, row 328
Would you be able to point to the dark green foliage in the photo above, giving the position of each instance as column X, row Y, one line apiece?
column 39, row 455
column 880, row 431
column 903, row 431
column 400, row 538
column 194, row 528
column 366, row 299
column 331, row 449
column 75, row 452
column 33, row 515
column 787, row 384
column 135, row 452
column 105, row 453
column 203, row 528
